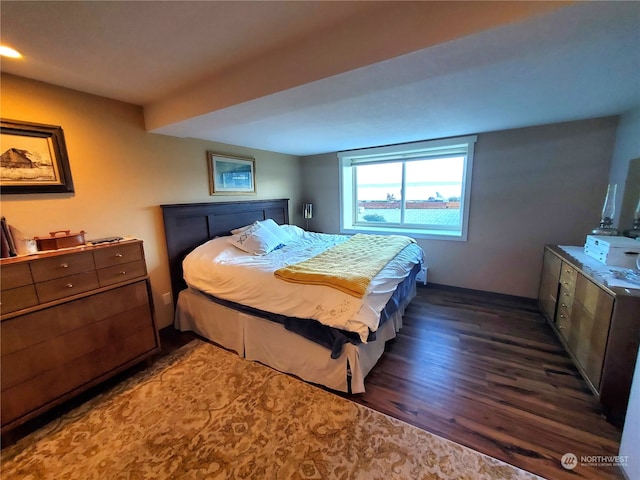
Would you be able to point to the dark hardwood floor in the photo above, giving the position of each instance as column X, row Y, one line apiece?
column 483, row 370
column 486, row 371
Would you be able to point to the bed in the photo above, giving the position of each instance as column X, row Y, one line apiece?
column 337, row 356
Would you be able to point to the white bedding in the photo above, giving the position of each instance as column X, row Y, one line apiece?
column 224, row 271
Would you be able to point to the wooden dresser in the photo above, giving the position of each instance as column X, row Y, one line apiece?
column 69, row 320
column 597, row 323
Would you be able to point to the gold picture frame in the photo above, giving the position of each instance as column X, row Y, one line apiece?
column 231, row 175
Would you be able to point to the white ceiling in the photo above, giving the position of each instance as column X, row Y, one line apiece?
column 576, row 62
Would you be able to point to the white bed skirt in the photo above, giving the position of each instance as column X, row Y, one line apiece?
column 271, row 344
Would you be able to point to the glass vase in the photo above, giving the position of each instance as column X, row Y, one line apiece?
column 608, row 213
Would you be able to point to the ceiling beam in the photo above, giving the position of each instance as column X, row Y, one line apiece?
column 388, row 30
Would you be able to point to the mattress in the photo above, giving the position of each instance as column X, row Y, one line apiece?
column 330, row 338
column 225, row 272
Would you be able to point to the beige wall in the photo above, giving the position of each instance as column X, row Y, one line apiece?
column 122, row 174
column 531, row 186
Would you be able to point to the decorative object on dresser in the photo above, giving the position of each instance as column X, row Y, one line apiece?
column 608, row 213
column 596, row 316
column 6, row 240
column 71, row 319
column 56, row 241
column 98, row 241
column 613, row 251
column 33, row 158
column 634, row 232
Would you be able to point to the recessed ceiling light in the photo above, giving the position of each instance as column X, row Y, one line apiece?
column 9, row 52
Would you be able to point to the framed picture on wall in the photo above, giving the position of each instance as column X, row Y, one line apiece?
column 231, row 175
column 33, row 158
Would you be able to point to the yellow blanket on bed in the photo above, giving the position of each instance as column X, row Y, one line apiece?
column 349, row 266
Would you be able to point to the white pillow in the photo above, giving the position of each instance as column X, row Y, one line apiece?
column 276, row 230
column 256, row 240
column 218, row 249
column 270, row 225
column 235, row 231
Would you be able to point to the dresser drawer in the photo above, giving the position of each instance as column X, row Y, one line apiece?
column 568, row 276
column 116, row 255
column 66, row 286
column 12, row 276
column 595, row 300
column 552, row 265
column 73, row 344
column 563, row 323
column 34, row 329
column 18, row 298
column 565, row 298
column 61, row 266
column 120, row 273
column 51, row 386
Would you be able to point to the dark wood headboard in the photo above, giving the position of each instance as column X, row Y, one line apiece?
column 188, row 225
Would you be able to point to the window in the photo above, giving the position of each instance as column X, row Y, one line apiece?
column 419, row 189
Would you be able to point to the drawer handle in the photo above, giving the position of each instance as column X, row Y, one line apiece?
column 560, row 327
column 118, row 255
column 69, row 285
column 562, row 316
column 568, row 271
column 564, row 305
column 566, row 294
column 64, row 265
column 123, row 272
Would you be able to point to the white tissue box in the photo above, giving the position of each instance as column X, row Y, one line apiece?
column 613, row 251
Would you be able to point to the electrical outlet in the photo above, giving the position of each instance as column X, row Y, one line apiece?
column 167, row 298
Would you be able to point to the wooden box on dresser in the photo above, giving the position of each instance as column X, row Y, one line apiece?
column 598, row 324
column 69, row 320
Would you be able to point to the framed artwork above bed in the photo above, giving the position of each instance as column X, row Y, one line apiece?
column 231, row 175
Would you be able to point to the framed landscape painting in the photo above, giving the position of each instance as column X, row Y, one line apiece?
column 33, row 159
column 230, row 175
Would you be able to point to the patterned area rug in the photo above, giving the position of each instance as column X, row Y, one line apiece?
column 205, row 413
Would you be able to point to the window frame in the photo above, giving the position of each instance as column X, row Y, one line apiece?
column 404, row 153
